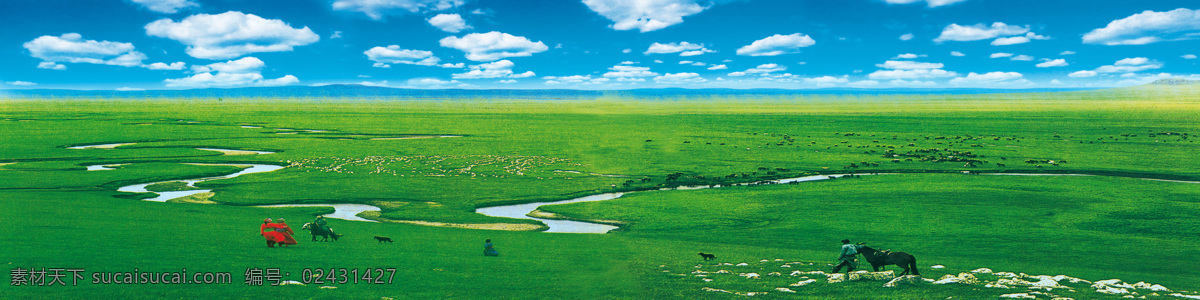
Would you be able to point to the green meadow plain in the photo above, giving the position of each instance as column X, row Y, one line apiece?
column 435, row 161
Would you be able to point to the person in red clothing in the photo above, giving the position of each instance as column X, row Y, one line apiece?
column 286, row 231
column 268, row 231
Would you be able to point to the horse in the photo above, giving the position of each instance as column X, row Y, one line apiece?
column 317, row 230
column 878, row 259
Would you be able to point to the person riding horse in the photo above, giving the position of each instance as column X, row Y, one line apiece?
column 321, row 225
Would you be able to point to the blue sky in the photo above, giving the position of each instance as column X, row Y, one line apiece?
column 596, row 44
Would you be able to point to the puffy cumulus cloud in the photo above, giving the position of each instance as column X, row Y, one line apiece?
column 909, row 65
column 498, row 69
column 955, row 32
column 863, row 83
column 1020, row 39
column 763, row 69
column 382, row 56
column 644, row 15
column 1048, row 63
column 72, row 48
column 931, row 3
column 452, row 23
column 507, row 81
column 1083, row 74
column 627, row 50
column 1068, row 52
column 990, row 79
column 231, row 34
column 575, row 79
column 683, row 48
column 908, row 56
column 493, row 46
column 20, row 83
column 826, row 81
column 718, row 67
column 777, row 45
column 677, row 78
column 242, row 72
column 1130, row 65
column 1000, row 55
column 1189, row 56
column 375, row 9
column 629, row 73
column 906, row 36
column 956, row 53
column 166, row 6
column 1148, row 27
column 49, row 65
column 1023, row 57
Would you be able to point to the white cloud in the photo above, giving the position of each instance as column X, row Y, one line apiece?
column 1055, row 82
column 621, row 72
column 1068, row 52
column 395, row 55
column 863, row 83
column 909, row 65
column 736, row 74
column 166, row 6
column 20, row 83
column 72, row 48
column 676, row 78
column 1000, row 54
column 991, row 78
column 242, row 72
column 777, row 45
column 1052, row 63
column 683, row 48
column 718, row 67
column 931, row 3
column 910, row 74
column 493, row 46
column 912, row 83
column 498, row 69
column 627, row 50
column 231, row 34
column 764, row 69
column 335, row 35
column 1189, row 56
column 1082, row 74
column 128, row 89
column 1023, row 57
column 956, row 53
column 375, row 9
column 433, row 82
column 955, row 32
column 657, row 61
column 449, row 23
column 907, row 36
column 627, row 63
column 907, row 56
column 507, row 81
column 826, row 81
column 1148, row 27
column 644, row 15
column 1130, row 65
column 1029, row 36
column 51, row 66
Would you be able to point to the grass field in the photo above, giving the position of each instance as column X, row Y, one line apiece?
column 436, row 161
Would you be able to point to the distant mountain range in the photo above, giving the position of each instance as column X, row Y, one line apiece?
column 374, row 92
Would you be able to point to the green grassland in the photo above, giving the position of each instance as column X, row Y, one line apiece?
column 438, row 160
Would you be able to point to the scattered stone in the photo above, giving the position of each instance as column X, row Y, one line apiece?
column 723, row 272
column 835, row 278
column 982, row 271
column 962, row 278
column 1070, row 279
column 1184, row 296
column 877, row 276
column 774, row 274
column 785, row 290
column 935, row 267
column 708, row 289
column 749, row 275
column 796, row 273
column 1111, row 283
column 906, row 279
column 785, row 266
column 1019, row 296
column 1113, row 290
column 996, row 286
column 707, row 280
column 329, row 287
column 1007, row 274
column 743, row 264
column 805, row 282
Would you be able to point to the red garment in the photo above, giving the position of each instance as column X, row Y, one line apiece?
column 287, row 234
column 268, row 231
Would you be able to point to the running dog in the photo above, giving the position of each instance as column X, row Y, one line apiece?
column 382, row 239
column 707, row 256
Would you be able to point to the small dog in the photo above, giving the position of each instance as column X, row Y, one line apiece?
column 383, row 239
column 707, row 256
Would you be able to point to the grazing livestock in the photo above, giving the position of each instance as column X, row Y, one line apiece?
column 906, row 261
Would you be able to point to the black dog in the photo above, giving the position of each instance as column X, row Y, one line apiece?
column 707, row 256
column 383, row 239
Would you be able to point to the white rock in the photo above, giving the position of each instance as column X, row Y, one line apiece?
column 723, row 272
column 749, row 275
column 708, row 289
column 1159, row 288
column 1069, row 279
column 906, row 279
column 774, row 274
column 796, row 273
column 982, row 271
column 1018, row 296
column 803, row 282
column 742, row 264
column 935, row 267
column 785, row 266
column 962, row 278
column 785, row 290
column 835, row 278
column 707, row 280
column 1112, row 290
column 1184, row 296
column 1006, row 274
column 763, row 260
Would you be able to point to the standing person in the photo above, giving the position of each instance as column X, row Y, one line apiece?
column 286, row 232
column 848, row 253
column 268, row 231
column 488, row 250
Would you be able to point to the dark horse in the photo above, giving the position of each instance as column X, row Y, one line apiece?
column 318, row 231
column 878, row 259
